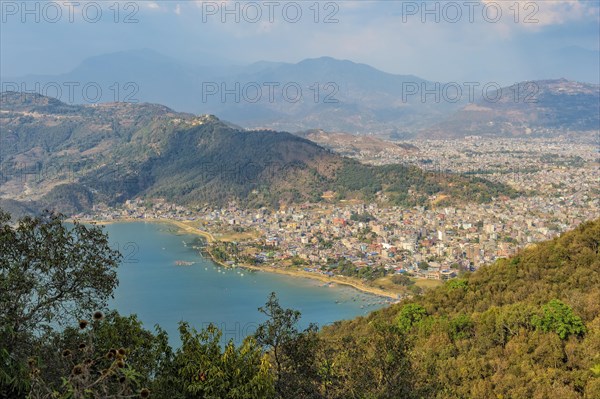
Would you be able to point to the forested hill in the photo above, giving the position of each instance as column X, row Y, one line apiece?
column 72, row 157
column 525, row 327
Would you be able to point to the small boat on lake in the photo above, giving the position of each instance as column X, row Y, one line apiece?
column 183, row 263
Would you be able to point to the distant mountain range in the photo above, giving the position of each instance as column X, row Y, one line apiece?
column 71, row 157
column 322, row 93
column 315, row 93
column 539, row 108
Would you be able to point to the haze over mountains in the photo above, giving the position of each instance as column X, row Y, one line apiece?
column 321, row 93
column 540, row 108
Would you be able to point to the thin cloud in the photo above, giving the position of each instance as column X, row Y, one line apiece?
column 538, row 14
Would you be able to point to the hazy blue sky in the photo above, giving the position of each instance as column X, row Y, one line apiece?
column 435, row 40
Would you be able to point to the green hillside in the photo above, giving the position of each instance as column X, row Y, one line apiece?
column 71, row 157
column 525, row 327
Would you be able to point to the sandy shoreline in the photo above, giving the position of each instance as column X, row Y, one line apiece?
column 315, row 276
column 269, row 269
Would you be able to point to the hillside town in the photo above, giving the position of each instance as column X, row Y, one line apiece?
column 369, row 240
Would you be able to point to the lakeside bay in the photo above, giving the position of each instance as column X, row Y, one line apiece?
column 160, row 292
column 187, row 228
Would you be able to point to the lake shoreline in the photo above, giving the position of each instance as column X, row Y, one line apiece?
column 314, row 276
column 183, row 227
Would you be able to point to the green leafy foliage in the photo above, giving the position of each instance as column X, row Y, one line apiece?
column 345, row 267
column 409, row 315
column 50, row 274
column 202, row 368
column 461, row 326
column 372, row 364
column 13, row 376
column 401, row 279
column 457, row 284
column 148, row 353
column 525, row 327
column 83, row 369
column 559, row 318
column 293, row 352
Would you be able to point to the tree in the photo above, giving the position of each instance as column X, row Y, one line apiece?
column 401, row 279
column 202, row 368
column 298, row 261
column 369, row 364
column 559, row 318
column 293, row 352
column 457, row 284
column 106, row 358
column 50, row 274
column 409, row 315
column 148, row 353
column 13, row 376
column 423, row 265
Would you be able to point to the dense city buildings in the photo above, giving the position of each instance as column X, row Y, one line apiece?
column 558, row 178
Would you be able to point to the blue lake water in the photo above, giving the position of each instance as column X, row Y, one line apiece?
column 159, row 292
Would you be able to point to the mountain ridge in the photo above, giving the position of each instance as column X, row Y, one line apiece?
column 548, row 107
column 314, row 93
column 80, row 155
